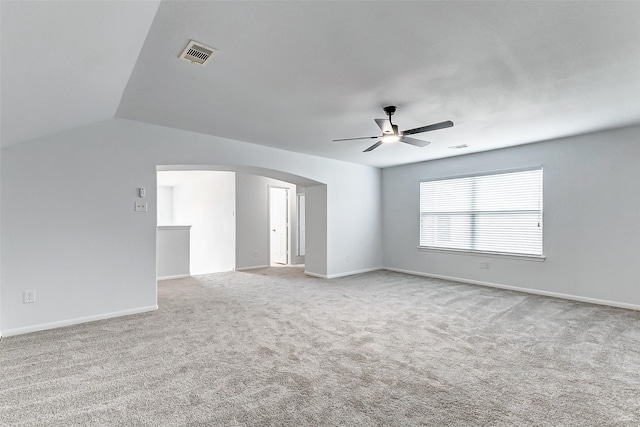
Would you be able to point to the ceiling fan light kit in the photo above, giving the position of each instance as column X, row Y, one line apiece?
column 391, row 134
column 390, row 138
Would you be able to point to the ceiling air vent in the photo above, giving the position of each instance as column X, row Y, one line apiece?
column 198, row 53
column 459, row 147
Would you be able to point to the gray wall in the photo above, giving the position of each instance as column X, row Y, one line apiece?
column 591, row 218
column 69, row 230
column 0, row 243
column 316, row 221
column 173, row 251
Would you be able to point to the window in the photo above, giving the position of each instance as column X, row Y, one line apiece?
column 498, row 213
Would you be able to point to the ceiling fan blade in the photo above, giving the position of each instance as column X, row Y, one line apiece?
column 385, row 125
column 374, row 146
column 416, row 142
column 428, row 128
column 354, row 139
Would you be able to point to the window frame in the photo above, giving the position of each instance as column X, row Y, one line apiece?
column 475, row 252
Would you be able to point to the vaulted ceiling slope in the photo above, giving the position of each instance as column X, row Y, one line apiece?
column 66, row 63
column 295, row 75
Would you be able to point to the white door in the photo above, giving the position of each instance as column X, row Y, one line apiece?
column 301, row 225
column 279, row 224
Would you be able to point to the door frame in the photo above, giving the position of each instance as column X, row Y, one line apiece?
column 288, row 227
column 300, row 219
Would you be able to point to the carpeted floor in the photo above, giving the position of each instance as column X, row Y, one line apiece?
column 275, row 347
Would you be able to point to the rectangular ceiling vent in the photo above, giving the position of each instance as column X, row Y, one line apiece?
column 198, row 53
column 459, row 147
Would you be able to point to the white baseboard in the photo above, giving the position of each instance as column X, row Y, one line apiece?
column 347, row 273
column 255, row 267
column 179, row 276
column 69, row 322
column 321, row 276
column 519, row 289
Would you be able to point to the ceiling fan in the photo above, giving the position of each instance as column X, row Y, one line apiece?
column 390, row 132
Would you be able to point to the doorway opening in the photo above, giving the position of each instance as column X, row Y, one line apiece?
column 249, row 221
column 279, row 225
column 196, row 225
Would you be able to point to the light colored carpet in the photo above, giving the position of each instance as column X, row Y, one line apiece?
column 275, row 347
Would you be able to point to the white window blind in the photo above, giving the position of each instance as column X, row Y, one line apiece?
column 498, row 213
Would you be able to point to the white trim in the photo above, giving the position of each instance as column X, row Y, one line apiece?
column 320, row 276
column 288, row 255
column 178, row 276
column 255, row 267
column 519, row 289
column 536, row 258
column 347, row 273
column 174, row 227
column 78, row 320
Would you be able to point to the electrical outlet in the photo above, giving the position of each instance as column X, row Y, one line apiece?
column 140, row 206
column 484, row 265
column 255, row 254
column 29, row 297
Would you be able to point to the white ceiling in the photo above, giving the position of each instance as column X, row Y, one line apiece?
column 66, row 64
column 295, row 75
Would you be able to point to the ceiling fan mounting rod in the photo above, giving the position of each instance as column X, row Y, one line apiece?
column 390, row 110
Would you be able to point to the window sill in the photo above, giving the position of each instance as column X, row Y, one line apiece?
column 534, row 258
